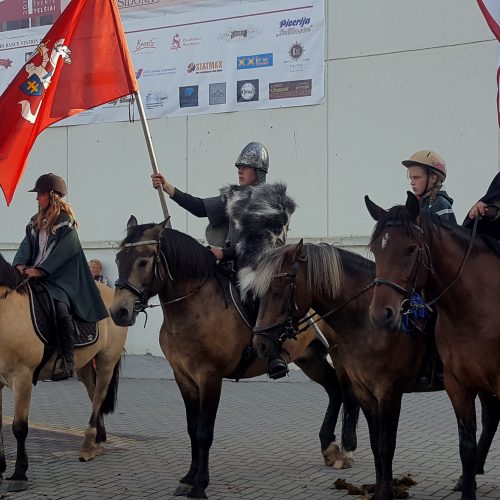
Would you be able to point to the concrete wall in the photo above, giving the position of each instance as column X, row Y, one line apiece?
column 400, row 76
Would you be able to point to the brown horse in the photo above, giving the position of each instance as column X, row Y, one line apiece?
column 203, row 337
column 381, row 365
column 22, row 352
column 416, row 252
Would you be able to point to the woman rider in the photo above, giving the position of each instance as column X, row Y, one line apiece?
column 51, row 251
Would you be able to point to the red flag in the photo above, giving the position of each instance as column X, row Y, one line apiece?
column 81, row 63
column 491, row 12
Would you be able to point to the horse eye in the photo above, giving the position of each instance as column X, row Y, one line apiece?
column 143, row 263
column 410, row 250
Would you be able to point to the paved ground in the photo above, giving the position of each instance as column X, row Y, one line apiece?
column 265, row 447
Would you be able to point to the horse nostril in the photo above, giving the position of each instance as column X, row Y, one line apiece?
column 389, row 313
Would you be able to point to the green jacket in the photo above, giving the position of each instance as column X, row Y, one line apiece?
column 68, row 275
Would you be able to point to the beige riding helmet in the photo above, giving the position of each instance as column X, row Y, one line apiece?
column 428, row 159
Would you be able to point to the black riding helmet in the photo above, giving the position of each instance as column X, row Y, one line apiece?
column 50, row 182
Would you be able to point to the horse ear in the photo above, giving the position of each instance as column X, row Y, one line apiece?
column 132, row 222
column 297, row 253
column 375, row 211
column 412, row 205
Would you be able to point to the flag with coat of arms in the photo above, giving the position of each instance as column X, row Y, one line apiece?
column 82, row 62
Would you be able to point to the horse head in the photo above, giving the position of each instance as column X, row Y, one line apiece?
column 140, row 270
column 278, row 278
column 401, row 258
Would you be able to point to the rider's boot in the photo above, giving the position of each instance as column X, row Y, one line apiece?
column 277, row 367
column 66, row 331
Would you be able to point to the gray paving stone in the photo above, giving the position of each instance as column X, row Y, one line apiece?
column 266, row 442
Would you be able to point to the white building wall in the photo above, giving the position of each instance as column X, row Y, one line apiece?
column 400, row 76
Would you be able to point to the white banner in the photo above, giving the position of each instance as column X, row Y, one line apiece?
column 249, row 56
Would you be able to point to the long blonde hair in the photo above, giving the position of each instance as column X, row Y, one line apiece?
column 47, row 218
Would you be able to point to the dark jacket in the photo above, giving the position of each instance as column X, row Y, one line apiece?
column 441, row 206
column 218, row 231
column 68, row 275
column 490, row 228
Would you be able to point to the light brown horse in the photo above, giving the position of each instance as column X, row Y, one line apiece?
column 22, row 352
column 461, row 275
column 203, row 338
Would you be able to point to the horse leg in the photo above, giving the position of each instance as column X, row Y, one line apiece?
column 490, row 416
column 465, row 412
column 388, row 417
column 101, row 386
column 371, row 415
column 349, row 422
column 22, row 398
column 191, row 397
column 210, row 392
column 317, row 368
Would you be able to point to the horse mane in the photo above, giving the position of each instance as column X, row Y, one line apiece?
column 186, row 257
column 11, row 277
column 431, row 227
column 324, row 270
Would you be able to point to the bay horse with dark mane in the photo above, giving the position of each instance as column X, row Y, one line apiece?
column 21, row 353
column 458, row 272
column 203, row 337
column 380, row 365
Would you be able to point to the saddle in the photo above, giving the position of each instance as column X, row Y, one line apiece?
column 44, row 323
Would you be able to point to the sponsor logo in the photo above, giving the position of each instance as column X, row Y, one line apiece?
column 155, row 99
column 294, row 26
column 286, row 90
column 188, row 96
column 205, row 67
column 296, row 60
column 144, row 73
column 125, row 4
column 123, row 101
column 238, row 34
column 247, row 90
column 217, row 93
column 254, row 61
column 191, row 41
column 6, row 63
column 145, row 46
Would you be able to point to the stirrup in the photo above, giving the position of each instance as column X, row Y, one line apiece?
column 62, row 372
column 277, row 368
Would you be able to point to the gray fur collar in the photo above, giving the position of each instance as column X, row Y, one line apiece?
column 261, row 215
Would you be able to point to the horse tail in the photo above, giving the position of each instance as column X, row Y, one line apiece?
column 109, row 404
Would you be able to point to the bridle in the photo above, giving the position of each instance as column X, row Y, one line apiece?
column 141, row 304
column 291, row 330
column 423, row 249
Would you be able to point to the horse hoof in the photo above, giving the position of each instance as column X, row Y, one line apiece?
column 86, row 456
column 459, row 484
column 183, row 490
column 344, row 463
column 331, row 454
column 197, row 492
column 14, row 485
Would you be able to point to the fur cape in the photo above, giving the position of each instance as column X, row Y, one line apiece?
column 261, row 216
